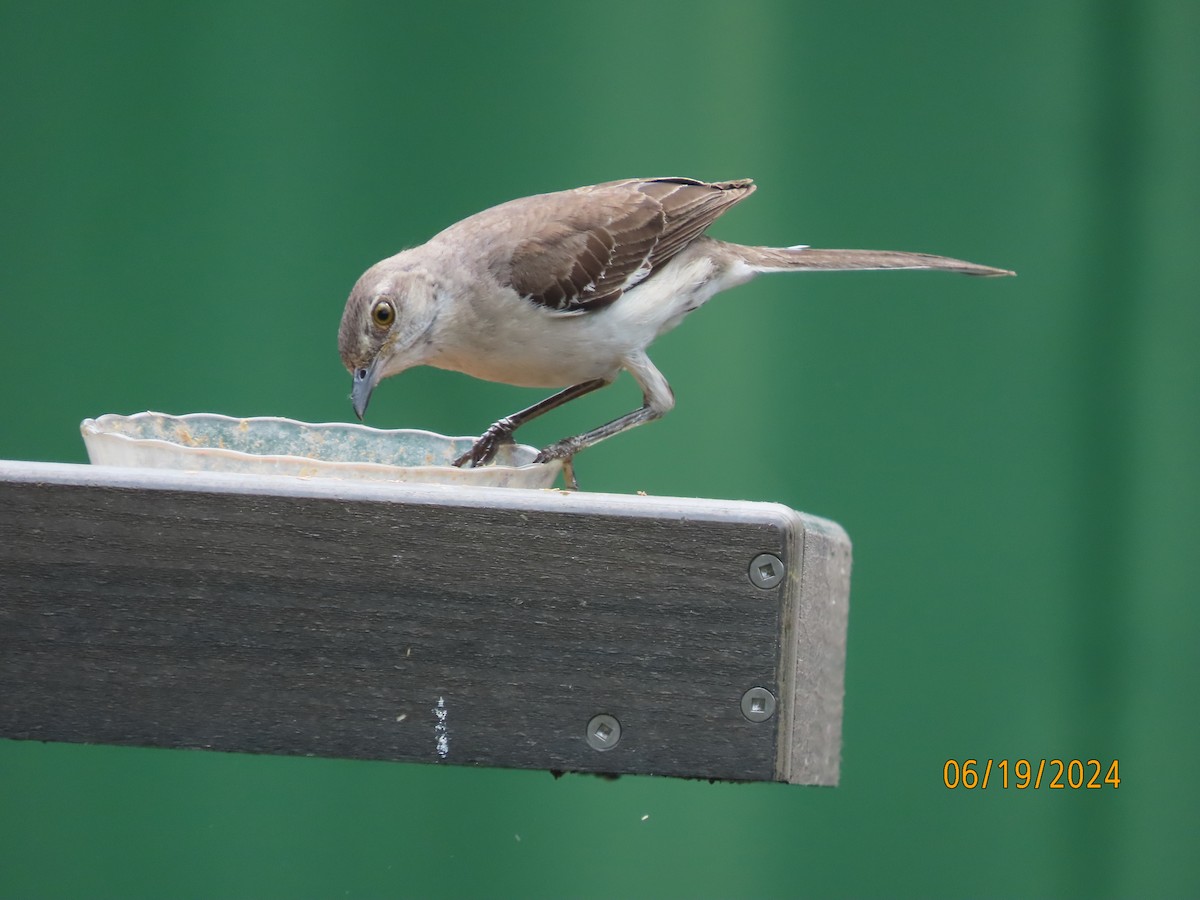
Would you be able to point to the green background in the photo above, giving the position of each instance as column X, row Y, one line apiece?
column 189, row 192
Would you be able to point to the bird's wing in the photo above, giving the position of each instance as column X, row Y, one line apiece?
column 578, row 251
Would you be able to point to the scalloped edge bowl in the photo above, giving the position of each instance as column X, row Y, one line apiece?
column 270, row 445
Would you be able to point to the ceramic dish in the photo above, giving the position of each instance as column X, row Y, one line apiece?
column 207, row 442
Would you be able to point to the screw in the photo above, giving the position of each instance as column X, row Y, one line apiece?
column 758, row 704
column 766, row 570
column 603, row 732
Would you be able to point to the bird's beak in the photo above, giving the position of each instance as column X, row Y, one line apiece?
column 364, row 383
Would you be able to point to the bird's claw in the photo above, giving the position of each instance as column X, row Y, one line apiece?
column 484, row 450
column 564, row 450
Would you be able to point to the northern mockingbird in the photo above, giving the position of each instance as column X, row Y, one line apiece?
column 566, row 290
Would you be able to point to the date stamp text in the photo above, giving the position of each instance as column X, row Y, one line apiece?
column 1026, row 774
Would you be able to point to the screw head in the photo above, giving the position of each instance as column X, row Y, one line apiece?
column 758, row 704
column 766, row 570
column 603, row 732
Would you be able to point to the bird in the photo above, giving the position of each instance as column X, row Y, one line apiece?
column 566, row 290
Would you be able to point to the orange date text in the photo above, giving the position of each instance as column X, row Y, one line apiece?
column 1027, row 774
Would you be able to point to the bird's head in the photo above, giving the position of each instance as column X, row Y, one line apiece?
column 385, row 326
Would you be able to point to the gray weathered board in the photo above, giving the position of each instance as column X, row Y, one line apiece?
column 478, row 626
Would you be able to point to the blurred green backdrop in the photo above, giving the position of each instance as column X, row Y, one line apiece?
column 189, row 192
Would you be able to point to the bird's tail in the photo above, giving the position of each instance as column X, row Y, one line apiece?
column 783, row 259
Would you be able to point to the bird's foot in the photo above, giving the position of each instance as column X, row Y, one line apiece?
column 484, row 450
column 564, row 450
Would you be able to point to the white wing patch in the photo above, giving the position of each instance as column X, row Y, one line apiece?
column 640, row 274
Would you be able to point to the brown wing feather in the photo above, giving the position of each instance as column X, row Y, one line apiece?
column 588, row 246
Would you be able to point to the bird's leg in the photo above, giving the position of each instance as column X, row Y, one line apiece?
column 658, row 399
column 484, row 450
column 568, row 447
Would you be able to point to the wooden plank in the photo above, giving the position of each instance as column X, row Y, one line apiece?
column 476, row 626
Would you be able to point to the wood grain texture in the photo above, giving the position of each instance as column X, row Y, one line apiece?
column 282, row 615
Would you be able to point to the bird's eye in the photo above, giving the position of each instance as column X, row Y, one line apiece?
column 382, row 313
